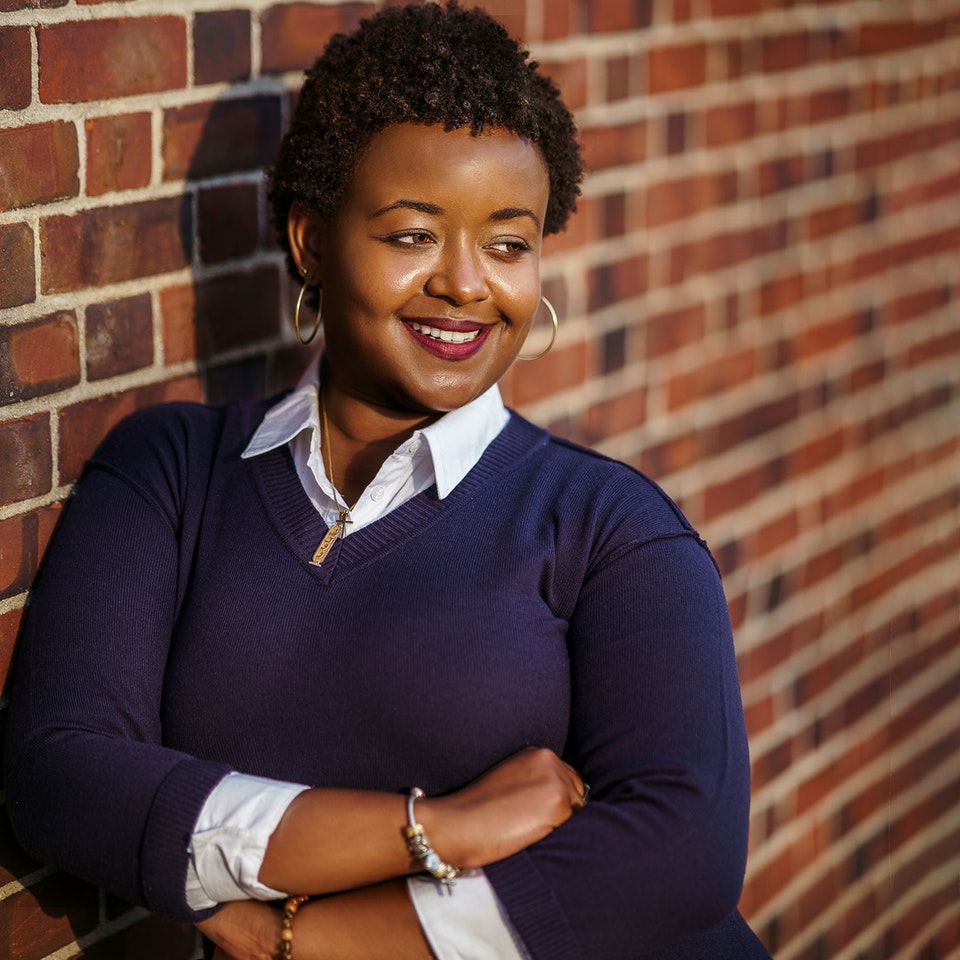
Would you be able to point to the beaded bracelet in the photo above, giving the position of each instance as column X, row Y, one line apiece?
column 290, row 909
column 420, row 849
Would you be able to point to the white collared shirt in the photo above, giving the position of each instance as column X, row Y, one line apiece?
column 230, row 837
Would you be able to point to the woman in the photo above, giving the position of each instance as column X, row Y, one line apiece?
column 369, row 642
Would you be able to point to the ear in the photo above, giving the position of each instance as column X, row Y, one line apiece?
column 305, row 230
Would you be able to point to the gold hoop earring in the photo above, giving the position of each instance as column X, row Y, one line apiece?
column 553, row 335
column 296, row 315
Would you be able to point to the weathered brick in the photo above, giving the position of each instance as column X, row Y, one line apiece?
column 39, row 357
column 18, row 280
column 206, row 139
column 15, row 79
column 26, row 455
column 294, row 34
column 101, row 59
column 228, row 311
column 119, row 336
column 7, row 6
column 23, row 539
column 221, row 46
column 83, row 425
column 227, row 221
column 38, row 164
column 118, row 153
column 109, row 244
column 48, row 916
column 677, row 67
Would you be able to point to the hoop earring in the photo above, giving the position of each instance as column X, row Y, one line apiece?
column 553, row 335
column 296, row 315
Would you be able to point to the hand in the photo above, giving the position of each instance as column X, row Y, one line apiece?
column 244, row 930
column 511, row 806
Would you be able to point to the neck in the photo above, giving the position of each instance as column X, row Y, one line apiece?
column 361, row 437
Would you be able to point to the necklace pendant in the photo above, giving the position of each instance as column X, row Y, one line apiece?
column 326, row 544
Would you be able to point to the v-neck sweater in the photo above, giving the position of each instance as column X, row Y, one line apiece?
column 555, row 598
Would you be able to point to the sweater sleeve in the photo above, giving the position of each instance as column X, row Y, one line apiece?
column 91, row 788
column 657, row 730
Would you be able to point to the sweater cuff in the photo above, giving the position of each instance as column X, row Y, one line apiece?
column 533, row 908
column 166, row 838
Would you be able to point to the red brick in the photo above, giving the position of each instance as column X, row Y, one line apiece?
column 880, row 38
column 48, row 916
column 711, row 378
column 570, row 76
column 676, row 199
column 560, row 19
column 606, row 17
column 13, row 578
column 229, row 311
column 119, row 336
column 730, row 123
column 786, row 51
column 834, row 219
column 110, row 244
column 118, row 153
column 605, row 147
column 917, row 305
column 677, row 67
column 207, row 139
column 103, row 59
column 7, row 6
column 737, row 8
column 832, row 104
column 83, row 425
column 221, row 46
column 18, row 280
column 618, row 86
column 15, row 78
column 26, row 454
column 295, row 34
column 675, row 329
column 39, row 357
column 562, row 368
column 934, row 348
column 227, row 221
column 616, row 414
column 38, row 164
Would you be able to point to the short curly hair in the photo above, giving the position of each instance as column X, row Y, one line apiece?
column 429, row 64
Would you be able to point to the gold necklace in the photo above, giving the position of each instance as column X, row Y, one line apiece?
column 338, row 529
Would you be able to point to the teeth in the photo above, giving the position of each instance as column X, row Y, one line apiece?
column 447, row 336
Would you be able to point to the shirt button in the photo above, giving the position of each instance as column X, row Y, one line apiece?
column 376, row 493
column 413, row 446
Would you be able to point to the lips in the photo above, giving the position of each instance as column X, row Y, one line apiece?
column 448, row 338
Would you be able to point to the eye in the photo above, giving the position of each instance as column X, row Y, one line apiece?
column 509, row 246
column 410, row 238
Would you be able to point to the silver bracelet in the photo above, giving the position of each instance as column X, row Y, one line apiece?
column 418, row 843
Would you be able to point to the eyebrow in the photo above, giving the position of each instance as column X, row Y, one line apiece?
column 507, row 213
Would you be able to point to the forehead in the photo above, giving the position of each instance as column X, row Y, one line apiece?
column 419, row 162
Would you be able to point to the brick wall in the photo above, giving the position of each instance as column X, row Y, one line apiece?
column 759, row 302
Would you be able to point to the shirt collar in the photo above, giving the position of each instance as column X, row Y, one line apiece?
column 455, row 442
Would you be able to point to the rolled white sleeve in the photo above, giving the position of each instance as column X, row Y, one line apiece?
column 230, row 838
column 465, row 921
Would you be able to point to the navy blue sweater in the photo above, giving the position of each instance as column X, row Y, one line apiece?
column 555, row 598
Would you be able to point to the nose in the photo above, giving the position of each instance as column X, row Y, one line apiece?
column 458, row 276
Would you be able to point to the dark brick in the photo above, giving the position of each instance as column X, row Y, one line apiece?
column 26, row 456
column 104, row 59
column 221, row 46
column 16, row 56
column 18, row 280
column 119, row 336
column 206, row 139
column 227, row 222
column 109, row 244
column 38, row 164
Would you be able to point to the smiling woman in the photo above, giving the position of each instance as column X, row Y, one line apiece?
column 391, row 631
